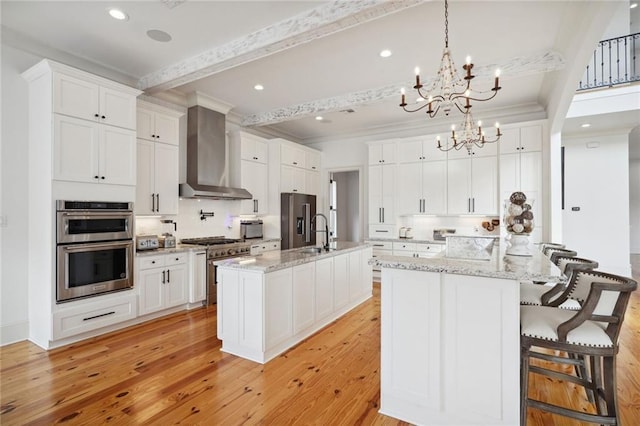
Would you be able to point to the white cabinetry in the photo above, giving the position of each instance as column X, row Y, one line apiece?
column 162, row 282
column 88, row 97
column 324, row 288
column 340, row 281
column 250, row 170
column 380, row 248
column 85, row 151
column 472, row 186
column 278, row 303
column 198, row 281
column 296, row 168
column 157, row 160
column 265, row 246
column 521, row 169
column 382, row 153
column 408, row 249
column 382, row 186
column 158, row 124
column 304, row 294
column 422, row 178
column 292, row 179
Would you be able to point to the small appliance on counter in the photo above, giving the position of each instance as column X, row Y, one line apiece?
column 250, row 228
column 403, row 232
column 147, row 242
column 167, row 240
column 408, row 233
column 441, row 234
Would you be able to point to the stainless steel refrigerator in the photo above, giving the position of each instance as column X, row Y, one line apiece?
column 295, row 222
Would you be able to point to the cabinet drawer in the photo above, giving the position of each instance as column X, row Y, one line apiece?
column 381, row 245
column 404, row 246
column 147, row 262
column 80, row 319
column 429, row 248
column 175, row 259
column 382, row 231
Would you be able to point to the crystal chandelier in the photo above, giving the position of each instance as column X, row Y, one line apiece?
column 448, row 89
column 471, row 135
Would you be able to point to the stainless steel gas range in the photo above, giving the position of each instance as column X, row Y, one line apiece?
column 218, row 248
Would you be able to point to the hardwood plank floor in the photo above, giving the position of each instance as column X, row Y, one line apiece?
column 171, row 371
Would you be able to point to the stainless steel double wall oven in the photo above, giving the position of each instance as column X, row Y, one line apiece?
column 94, row 248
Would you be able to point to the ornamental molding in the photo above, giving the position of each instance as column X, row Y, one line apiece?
column 305, row 27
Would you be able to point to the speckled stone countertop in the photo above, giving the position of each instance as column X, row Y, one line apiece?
column 405, row 240
column 536, row 267
column 177, row 249
column 274, row 260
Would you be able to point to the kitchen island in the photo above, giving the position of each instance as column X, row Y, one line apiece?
column 450, row 337
column 270, row 302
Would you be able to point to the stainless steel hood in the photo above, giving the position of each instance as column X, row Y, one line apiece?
column 206, row 158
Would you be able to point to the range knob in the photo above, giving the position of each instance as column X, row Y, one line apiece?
column 231, row 251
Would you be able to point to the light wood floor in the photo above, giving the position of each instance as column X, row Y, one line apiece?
column 172, row 371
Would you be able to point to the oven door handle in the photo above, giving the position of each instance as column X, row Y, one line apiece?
column 79, row 247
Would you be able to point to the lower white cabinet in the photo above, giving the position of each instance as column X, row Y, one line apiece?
column 417, row 249
column 198, row 282
column 83, row 316
column 304, row 289
column 265, row 246
column 261, row 315
column 162, row 282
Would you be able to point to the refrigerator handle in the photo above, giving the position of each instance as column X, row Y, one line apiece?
column 307, row 222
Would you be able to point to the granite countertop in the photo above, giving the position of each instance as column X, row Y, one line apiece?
column 536, row 267
column 406, row 240
column 177, row 249
column 274, row 260
column 261, row 240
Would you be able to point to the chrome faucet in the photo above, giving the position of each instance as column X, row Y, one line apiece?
column 326, row 229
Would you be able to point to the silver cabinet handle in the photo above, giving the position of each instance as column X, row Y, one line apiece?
column 383, row 215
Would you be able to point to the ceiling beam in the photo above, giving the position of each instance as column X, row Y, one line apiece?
column 316, row 23
column 516, row 67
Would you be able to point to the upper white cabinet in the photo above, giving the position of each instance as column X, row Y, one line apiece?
column 382, row 187
column 250, row 170
column 88, row 152
column 472, row 186
column 422, row 177
column 158, row 124
column 292, row 155
column 382, row 153
column 523, row 139
column 88, row 98
column 312, row 160
column 157, row 160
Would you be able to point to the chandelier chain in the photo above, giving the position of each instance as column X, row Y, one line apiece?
column 446, row 24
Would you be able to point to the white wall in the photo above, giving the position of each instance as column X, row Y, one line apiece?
column 597, row 182
column 634, row 205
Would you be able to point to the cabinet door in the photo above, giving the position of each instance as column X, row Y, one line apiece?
column 509, row 142
column 177, row 285
column 117, row 108
column 375, row 194
column 145, row 169
column 166, row 178
column 531, row 138
column 324, row 288
column 292, row 156
column 458, row 191
column 254, row 178
column 304, row 292
column 356, row 287
column 253, row 148
column 430, row 150
column 198, row 287
column 117, row 156
column 340, row 281
column 484, row 186
column 388, row 193
column 509, row 173
column 434, row 187
column 167, row 129
column 75, row 97
column 311, row 182
column 409, row 188
column 151, row 287
column 278, row 307
column 75, row 150
column 382, row 153
column 409, row 152
column 292, row 179
column 312, row 160
column 145, row 124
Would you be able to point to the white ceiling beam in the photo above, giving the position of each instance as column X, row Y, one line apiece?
column 305, row 27
column 516, row 67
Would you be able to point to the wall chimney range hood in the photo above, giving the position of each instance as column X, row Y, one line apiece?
column 206, row 158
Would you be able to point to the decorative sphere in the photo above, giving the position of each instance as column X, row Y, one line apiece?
column 515, row 210
column 518, row 228
column 526, row 206
column 528, row 229
column 527, row 214
column 518, row 198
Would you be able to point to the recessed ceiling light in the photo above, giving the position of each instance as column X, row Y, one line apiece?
column 319, row 117
column 258, row 87
column 159, row 35
column 118, row 14
column 585, row 125
column 385, row 53
column 633, row 5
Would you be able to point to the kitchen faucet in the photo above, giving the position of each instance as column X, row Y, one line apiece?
column 326, row 229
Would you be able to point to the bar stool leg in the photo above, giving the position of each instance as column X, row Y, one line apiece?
column 609, row 373
column 524, row 384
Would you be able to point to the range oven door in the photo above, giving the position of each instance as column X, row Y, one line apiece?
column 90, row 269
column 81, row 227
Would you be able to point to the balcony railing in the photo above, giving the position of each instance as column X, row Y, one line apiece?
column 615, row 61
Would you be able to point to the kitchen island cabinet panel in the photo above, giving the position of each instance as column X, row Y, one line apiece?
column 303, row 296
column 341, row 281
column 324, row 288
column 278, row 301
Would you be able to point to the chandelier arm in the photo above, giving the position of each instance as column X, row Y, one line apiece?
column 484, row 99
column 461, row 109
column 434, row 112
column 415, row 110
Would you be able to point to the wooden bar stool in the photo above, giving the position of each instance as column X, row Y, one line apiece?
column 560, row 295
column 591, row 333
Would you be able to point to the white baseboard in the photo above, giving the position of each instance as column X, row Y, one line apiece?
column 13, row 333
